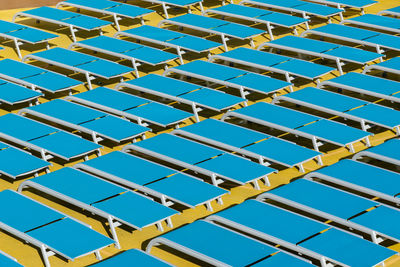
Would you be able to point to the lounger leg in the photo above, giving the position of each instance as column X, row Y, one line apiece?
column 374, row 238
column 88, row 79
column 214, row 179
column 301, row 168
column 72, row 33
column 323, row 261
column 165, row 10
column 367, row 142
column 208, row 206
column 142, row 21
column 351, row 148
column 339, row 66
column 219, row 201
column 397, row 129
column 196, row 115
column 113, row 232
column 266, row 181
column 252, row 43
column 224, row 42
column 315, row 143
column 201, row 7
column 98, row 255
column 341, row 16
column 178, row 50
column 116, row 22
column 320, row 162
column 45, row 256
column 160, row 227
column 295, row 31
column 135, row 68
column 17, row 48
column 243, row 94
column 256, row 185
column 169, row 223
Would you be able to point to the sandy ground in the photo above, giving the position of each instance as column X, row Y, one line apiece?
column 11, row 4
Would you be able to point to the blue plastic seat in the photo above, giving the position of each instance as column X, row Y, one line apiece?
column 376, row 22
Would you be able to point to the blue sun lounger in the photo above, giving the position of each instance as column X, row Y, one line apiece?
column 79, row 62
column 328, row 203
column 196, row 96
column 48, row 141
column 114, row 9
column 392, row 65
column 130, row 256
column 366, row 84
column 322, row 49
column 115, row 204
column 288, row 66
column 73, row 21
column 387, row 152
column 166, row 184
column 12, row 94
column 301, row 124
column 203, row 159
column 52, row 232
column 135, row 53
column 261, row 16
column 306, row 9
column 375, row 22
column 7, row 260
column 358, row 4
column 259, row 146
column 380, row 41
column 293, row 231
column 231, row 77
column 15, row 163
column 224, row 29
column 363, row 178
column 166, row 4
column 395, row 11
column 21, row 34
column 99, row 125
column 132, row 107
column 364, row 112
column 36, row 78
column 204, row 240
column 177, row 40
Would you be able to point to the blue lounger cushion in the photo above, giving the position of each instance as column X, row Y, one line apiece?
column 24, row 33
column 388, row 149
column 132, row 255
column 376, row 21
column 11, row 93
column 394, row 10
column 391, row 64
column 282, row 259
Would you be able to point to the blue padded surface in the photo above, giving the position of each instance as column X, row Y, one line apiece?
column 225, row 132
column 212, row 98
column 282, row 19
column 364, row 175
column 66, row 145
column 18, row 69
column 319, row 10
column 129, row 167
column 129, row 10
column 282, row 259
column 65, row 56
column 151, row 55
column 282, row 151
column 52, row 82
column 163, row 84
column 386, row 40
column 6, row 261
column 277, row 115
column 208, row 239
column 6, row 26
column 181, row 2
column 356, row 3
column 394, row 9
column 238, row 30
column 326, row 99
column 255, row 56
column 24, row 33
column 194, row 43
column 112, row 98
column 368, row 83
column 236, row 168
column 155, row 33
column 388, row 149
column 111, row 44
column 160, row 113
column 372, row 19
column 379, row 114
column 348, row 249
column 245, row 11
column 14, row 162
column 13, row 93
column 71, row 238
column 105, row 68
column 345, row 31
column 78, row 185
column 323, row 198
column 135, row 209
column 24, row 214
column 393, row 63
column 260, row 83
column 187, row 189
column 335, row 132
column 273, row 221
column 179, row 148
column 304, row 68
column 354, row 54
column 304, row 44
column 87, row 22
column 129, row 256
column 16, row 126
column 99, row 4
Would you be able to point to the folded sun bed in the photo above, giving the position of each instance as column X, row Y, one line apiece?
column 306, row 9
column 387, row 152
column 288, row 66
column 48, row 141
column 12, row 94
column 322, row 49
column 130, row 256
column 73, row 21
column 375, row 22
column 346, row 107
column 52, row 232
column 204, row 240
column 36, row 78
column 132, row 107
column 395, row 11
column 301, row 124
column 392, row 65
column 202, row 159
column 115, row 204
column 166, row 184
column 21, row 34
column 78, row 62
column 177, row 40
column 366, row 84
column 380, row 41
column 349, row 210
column 260, row 16
column 224, row 29
column 135, row 53
column 7, row 260
column 362, row 177
column 114, row 9
column 98, row 125
column 262, row 147
column 196, row 96
column 303, row 236
column 239, row 79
